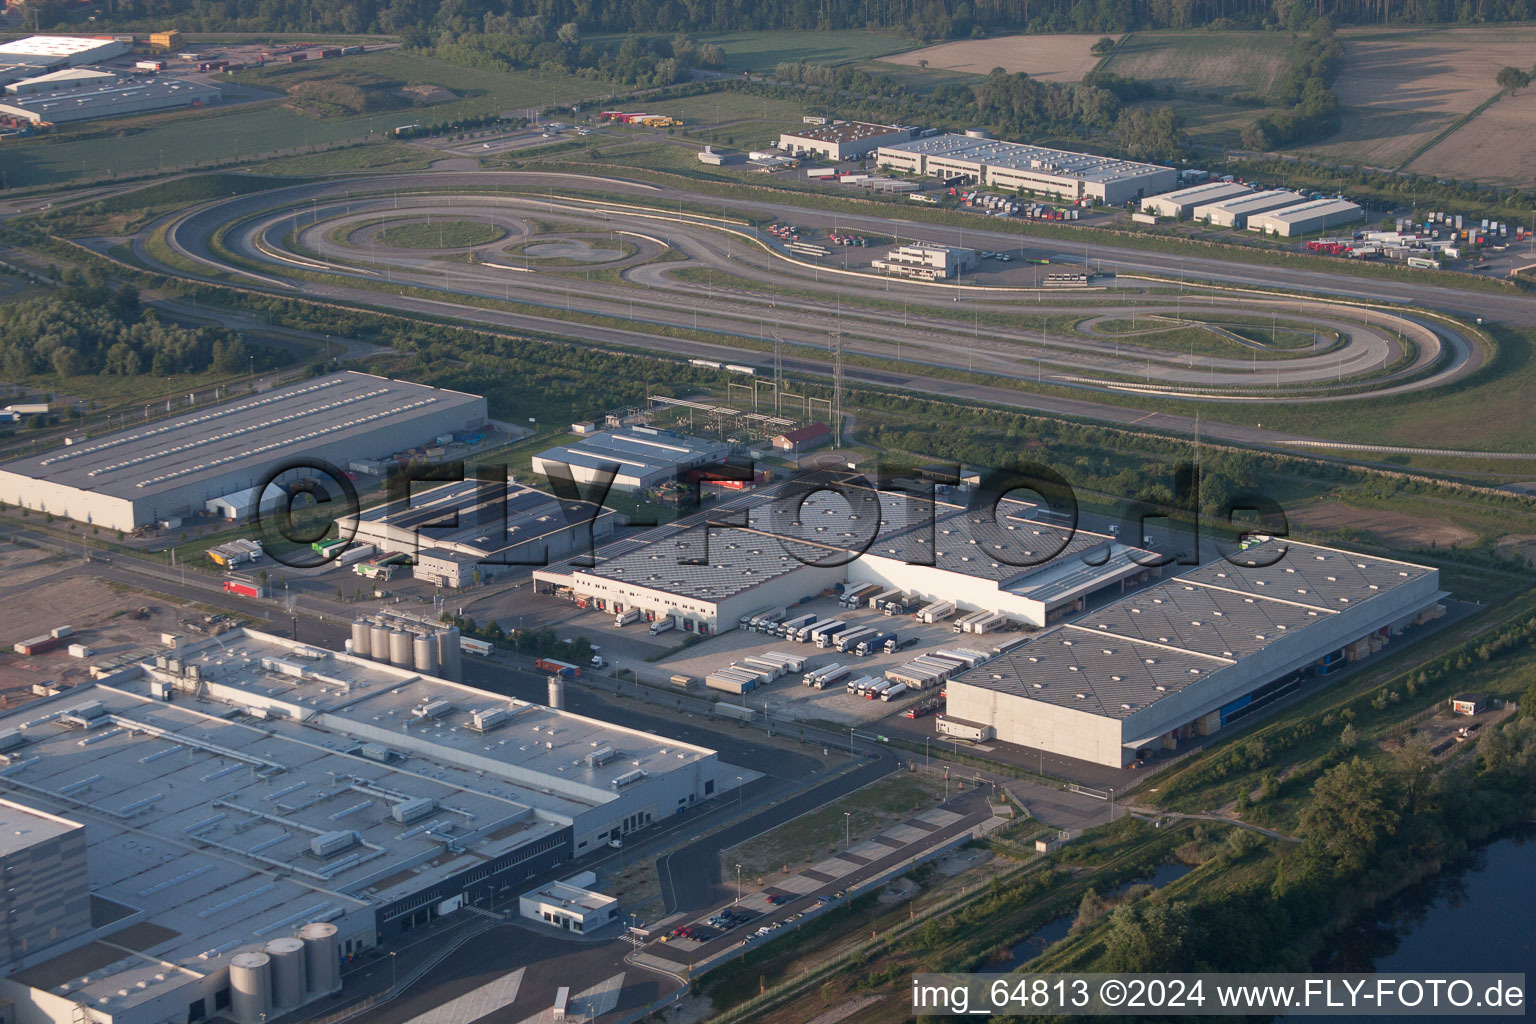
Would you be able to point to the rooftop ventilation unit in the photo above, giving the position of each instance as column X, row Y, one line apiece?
column 407, row 811
column 378, row 752
column 488, row 719
column 328, row 844
column 433, row 709
column 630, row 777
column 601, row 756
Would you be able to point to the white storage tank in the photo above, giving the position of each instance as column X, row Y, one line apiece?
column 287, row 956
column 378, row 643
column 250, row 987
column 449, row 655
column 322, row 966
column 400, row 648
column 424, row 648
column 362, row 643
column 556, row 693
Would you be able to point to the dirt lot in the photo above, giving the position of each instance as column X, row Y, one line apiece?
column 1401, row 87
column 1393, row 528
column 1063, row 58
column 100, row 615
column 1202, row 61
column 1497, row 146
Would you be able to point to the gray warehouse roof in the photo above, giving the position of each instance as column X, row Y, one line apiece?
column 1024, row 157
column 246, row 434
column 130, row 96
column 1121, row 658
column 637, row 451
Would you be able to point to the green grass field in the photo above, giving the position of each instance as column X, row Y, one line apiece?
column 133, row 146
column 1203, row 62
column 444, row 234
column 762, row 51
column 919, row 80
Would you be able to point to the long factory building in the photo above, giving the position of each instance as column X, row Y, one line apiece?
column 457, row 530
column 1191, row 654
column 173, row 467
column 638, row 457
column 1036, row 169
column 706, row 578
column 215, row 830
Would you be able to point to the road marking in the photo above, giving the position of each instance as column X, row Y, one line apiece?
column 476, row 1003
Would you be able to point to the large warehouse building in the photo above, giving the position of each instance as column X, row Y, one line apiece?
column 1234, row 213
column 1182, row 203
column 118, row 98
column 706, row 579
column 1013, row 165
column 1306, row 218
column 171, row 468
column 211, row 832
column 1192, row 654
column 459, row 530
column 640, row 457
column 842, row 140
column 47, row 52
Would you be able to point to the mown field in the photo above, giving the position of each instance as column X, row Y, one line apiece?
column 762, row 51
column 1053, row 58
column 1203, row 62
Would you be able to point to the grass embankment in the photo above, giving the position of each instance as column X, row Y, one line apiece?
column 442, row 234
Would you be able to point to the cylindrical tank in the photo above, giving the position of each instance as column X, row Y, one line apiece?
column 400, row 648
column 378, row 643
column 287, row 956
column 250, row 987
column 362, row 643
column 322, row 966
column 556, row 693
column 425, row 650
column 448, row 654
column 977, row 133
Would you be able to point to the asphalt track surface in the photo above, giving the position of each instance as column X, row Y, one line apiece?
column 328, row 226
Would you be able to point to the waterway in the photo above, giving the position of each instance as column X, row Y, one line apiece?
column 1056, row 929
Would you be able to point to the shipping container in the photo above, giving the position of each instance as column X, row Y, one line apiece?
column 682, row 681
column 936, row 612
column 469, row 645
column 559, row 668
column 245, row 589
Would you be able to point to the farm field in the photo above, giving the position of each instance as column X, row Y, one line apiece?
column 1497, row 146
column 135, row 145
column 1402, row 87
column 1213, row 124
column 762, row 51
column 918, row 80
column 1202, row 62
column 1050, row 58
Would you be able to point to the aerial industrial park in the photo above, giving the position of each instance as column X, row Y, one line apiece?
column 549, row 517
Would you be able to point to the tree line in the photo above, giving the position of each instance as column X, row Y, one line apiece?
column 921, row 19
column 89, row 327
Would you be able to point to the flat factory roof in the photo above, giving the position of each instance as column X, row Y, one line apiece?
column 244, row 434
column 50, row 46
column 1120, row 658
column 1254, row 202
column 844, row 131
column 65, row 75
column 1306, row 211
column 488, row 518
column 22, row 826
column 1023, row 157
column 637, row 450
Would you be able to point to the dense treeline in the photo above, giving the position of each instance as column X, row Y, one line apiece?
column 1311, row 110
column 89, row 327
column 506, row 43
column 923, row 19
column 1011, row 106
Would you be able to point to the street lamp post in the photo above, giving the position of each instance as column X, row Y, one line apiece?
column 738, row 883
column 392, row 974
column 847, row 829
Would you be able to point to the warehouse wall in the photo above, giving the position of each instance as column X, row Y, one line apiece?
column 1033, row 723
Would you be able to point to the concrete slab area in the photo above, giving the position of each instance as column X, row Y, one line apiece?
column 473, row 1005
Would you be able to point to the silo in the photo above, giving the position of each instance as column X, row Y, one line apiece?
column 378, row 643
column 250, row 987
column 448, row 654
column 362, row 643
column 400, row 648
column 322, row 967
column 425, row 650
column 287, row 972
column 556, row 693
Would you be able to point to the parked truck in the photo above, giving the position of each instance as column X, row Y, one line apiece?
column 662, row 625
column 870, row 644
column 816, row 631
column 245, row 589
column 848, row 639
column 355, row 553
column 826, row 634
column 469, row 645
column 878, row 601
column 825, row 676
column 938, row 611
column 627, row 616
column 789, row 627
column 898, row 642
column 855, row 593
column 558, row 668
column 752, row 620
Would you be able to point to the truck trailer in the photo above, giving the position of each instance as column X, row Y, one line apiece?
column 627, row 616
column 938, row 611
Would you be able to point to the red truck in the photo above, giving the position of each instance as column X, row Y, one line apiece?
column 558, row 668
column 245, row 589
